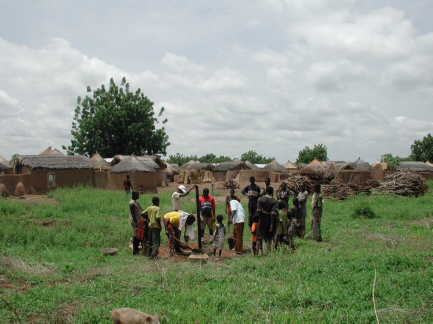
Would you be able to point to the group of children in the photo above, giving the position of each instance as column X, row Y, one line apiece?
column 271, row 221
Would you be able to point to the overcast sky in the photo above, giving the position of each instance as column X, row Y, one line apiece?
column 269, row 75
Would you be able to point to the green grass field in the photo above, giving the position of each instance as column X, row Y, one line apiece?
column 57, row 274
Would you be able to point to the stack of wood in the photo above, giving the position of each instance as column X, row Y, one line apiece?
column 403, row 184
column 340, row 190
column 337, row 190
column 299, row 183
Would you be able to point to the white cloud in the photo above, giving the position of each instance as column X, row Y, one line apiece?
column 271, row 75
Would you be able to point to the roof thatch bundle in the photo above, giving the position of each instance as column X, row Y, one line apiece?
column 381, row 165
column 290, row 165
column 55, row 162
column 232, row 165
column 51, row 151
column 275, row 166
column 149, row 160
column 358, row 165
column 316, row 165
column 250, row 165
column 414, row 166
column 196, row 165
column 98, row 162
column 133, row 164
column 172, row 169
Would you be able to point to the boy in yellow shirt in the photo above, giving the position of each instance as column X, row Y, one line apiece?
column 154, row 235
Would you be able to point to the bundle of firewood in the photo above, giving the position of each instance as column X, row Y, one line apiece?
column 403, row 184
column 299, row 183
column 337, row 190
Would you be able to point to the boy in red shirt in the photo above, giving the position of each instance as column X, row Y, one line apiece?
column 207, row 211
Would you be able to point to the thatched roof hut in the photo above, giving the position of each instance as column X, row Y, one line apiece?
column 233, row 165
column 155, row 160
column 250, row 165
column 197, row 165
column 51, row 151
column 275, row 166
column 358, row 165
column 414, row 166
column 55, row 162
column 99, row 163
column 289, row 165
column 172, row 169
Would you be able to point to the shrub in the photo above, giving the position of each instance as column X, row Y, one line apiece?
column 363, row 210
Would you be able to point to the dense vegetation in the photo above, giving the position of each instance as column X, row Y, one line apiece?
column 317, row 152
column 251, row 156
column 422, row 150
column 57, row 274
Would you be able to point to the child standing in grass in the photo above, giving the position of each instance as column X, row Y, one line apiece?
column 255, row 238
column 154, row 231
column 218, row 236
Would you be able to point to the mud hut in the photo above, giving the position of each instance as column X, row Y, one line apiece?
column 144, row 174
column 52, row 171
column 171, row 171
column 380, row 170
column 357, row 172
column 421, row 168
column 101, row 171
column 290, row 166
column 154, row 161
column 230, row 167
column 99, row 163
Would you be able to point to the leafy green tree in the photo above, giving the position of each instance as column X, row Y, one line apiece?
column 181, row 159
column 256, row 158
column 117, row 120
column 422, row 150
column 212, row 158
column 392, row 161
column 319, row 152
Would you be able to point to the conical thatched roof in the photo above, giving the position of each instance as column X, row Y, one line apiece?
column 51, row 151
column 414, row 166
column 149, row 160
column 55, row 162
column 250, row 165
column 98, row 162
column 4, row 164
column 275, row 166
column 132, row 164
column 358, row 165
column 232, row 165
column 172, row 169
column 196, row 165
column 381, row 165
column 290, row 165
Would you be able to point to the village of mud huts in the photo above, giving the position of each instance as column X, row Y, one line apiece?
column 51, row 169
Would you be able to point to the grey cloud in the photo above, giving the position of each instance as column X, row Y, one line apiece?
column 271, row 75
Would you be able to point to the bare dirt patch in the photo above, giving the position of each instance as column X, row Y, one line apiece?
column 36, row 199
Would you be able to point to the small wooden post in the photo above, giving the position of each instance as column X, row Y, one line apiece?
column 197, row 201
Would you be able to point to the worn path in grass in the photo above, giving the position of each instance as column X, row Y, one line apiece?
column 56, row 273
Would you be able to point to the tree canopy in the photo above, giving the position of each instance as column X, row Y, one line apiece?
column 117, row 120
column 256, row 158
column 318, row 152
column 422, row 150
column 181, row 159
